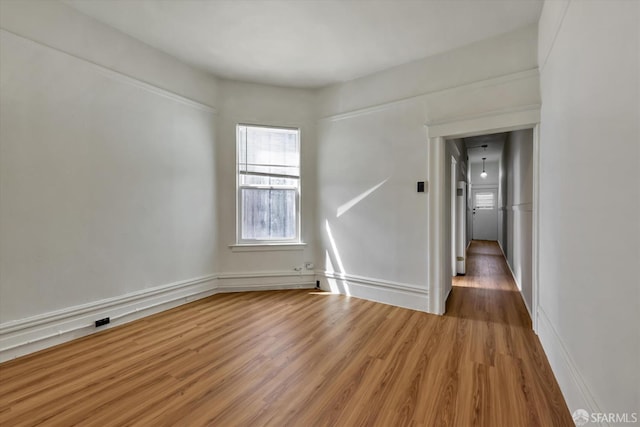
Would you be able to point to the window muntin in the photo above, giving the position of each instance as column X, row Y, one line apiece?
column 268, row 184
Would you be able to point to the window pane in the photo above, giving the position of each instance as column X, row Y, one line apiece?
column 269, row 178
column 484, row 201
column 270, row 153
column 268, row 214
column 272, row 146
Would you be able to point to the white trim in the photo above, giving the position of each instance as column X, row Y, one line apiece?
column 131, row 81
column 509, row 110
column 535, row 224
column 379, row 290
column 24, row 336
column 521, row 207
column 504, row 254
column 438, row 273
column 484, row 187
column 492, row 81
column 262, row 274
column 374, row 282
column 35, row 333
column 515, row 279
column 572, row 384
column 256, row 125
column 370, row 110
column 267, row 247
column 78, row 310
column 265, row 281
column 497, row 121
column 124, row 78
column 240, row 242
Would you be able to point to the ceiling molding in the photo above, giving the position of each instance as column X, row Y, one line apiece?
column 452, row 90
column 505, row 120
column 121, row 77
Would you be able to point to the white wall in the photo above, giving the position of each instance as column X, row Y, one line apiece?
column 509, row 53
column 58, row 26
column 590, row 201
column 274, row 106
column 107, row 178
column 373, row 148
column 455, row 150
column 368, row 169
column 517, row 241
column 502, row 198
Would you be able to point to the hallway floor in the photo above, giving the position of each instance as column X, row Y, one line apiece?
column 512, row 379
column 487, row 292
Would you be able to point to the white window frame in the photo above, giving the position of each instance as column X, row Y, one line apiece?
column 241, row 241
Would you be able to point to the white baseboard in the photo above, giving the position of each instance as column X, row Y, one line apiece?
column 24, row 336
column 265, row 281
column 572, row 384
column 515, row 279
column 378, row 290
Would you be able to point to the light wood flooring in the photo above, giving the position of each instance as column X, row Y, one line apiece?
column 302, row 358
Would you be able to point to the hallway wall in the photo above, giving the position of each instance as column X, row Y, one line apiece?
column 455, row 149
column 517, row 239
column 589, row 308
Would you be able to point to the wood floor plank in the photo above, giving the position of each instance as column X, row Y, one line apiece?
column 298, row 358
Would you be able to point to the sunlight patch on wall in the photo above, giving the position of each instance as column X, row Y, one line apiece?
column 342, row 209
column 334, row 248
column 343, row 286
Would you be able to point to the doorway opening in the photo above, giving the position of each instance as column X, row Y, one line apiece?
column 438, row 264
column 486, row 161
column 498, row 209
column 456, row 211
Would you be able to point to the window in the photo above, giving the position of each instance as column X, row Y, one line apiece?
column 484, row 201
column 268, row 184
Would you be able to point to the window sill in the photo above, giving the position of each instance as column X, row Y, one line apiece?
column 264, row 247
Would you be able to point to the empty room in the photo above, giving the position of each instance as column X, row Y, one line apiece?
column 319, row 212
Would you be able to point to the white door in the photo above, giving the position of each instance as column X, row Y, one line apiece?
column 485, row 214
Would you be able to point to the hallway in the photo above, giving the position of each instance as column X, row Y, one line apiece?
column 487, row 292
column 512, row 379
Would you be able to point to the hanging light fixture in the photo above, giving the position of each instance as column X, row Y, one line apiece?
column 484, row 174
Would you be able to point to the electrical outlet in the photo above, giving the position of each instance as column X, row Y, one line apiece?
column 102, row 322
column 309, row 265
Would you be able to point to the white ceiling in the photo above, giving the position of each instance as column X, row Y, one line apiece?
column 494, row 142
column 308, row 43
